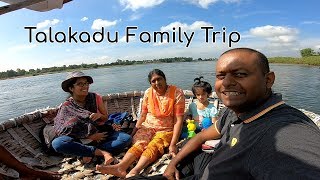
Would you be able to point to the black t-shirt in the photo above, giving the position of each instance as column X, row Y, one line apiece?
column 274, row 141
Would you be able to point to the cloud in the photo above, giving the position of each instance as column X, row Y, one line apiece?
column 84, row 19
column 254, row 13
column 282, row 39
column 135, row 5
column 99, row 23
column 194, row 26
column 270, row 31
column 311, row 22
column 135, row 17
column 164, row 42
column 47, row 23
column 311, row 42
column 21, row 47
column 124, row 39
column 276, row 34
column 102, row 59
column 156, row 51
column 206, row 3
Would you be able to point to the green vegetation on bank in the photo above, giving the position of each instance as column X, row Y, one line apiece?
column 311, row 60
column 34, row 72
column 308, row 52
column 308, row 57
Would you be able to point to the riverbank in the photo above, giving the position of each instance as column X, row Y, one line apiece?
column 35, row 72
column 311, row 60
column 11, row 74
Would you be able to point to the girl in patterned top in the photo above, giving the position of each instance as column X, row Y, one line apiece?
column 201, row 110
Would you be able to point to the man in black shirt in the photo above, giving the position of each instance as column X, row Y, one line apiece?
column 261, row 136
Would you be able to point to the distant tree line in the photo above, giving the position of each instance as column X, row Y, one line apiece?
column 308, row 52
column 34, row 72
column 308, row 56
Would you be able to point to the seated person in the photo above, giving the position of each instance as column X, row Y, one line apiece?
column 203, row 112
column 201, row 108
column 159, row 126
column 79, row 117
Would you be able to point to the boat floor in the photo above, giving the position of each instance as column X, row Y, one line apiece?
column 72, row 168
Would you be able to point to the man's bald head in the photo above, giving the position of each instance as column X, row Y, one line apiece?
column 263, row 60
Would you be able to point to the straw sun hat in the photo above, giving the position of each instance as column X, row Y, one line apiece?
column 71, row 76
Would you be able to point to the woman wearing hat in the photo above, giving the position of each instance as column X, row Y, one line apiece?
column 77, row 121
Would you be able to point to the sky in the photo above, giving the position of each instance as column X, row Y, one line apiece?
column 152, row 29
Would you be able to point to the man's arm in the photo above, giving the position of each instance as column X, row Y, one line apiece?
column 192, row 145
column 24, row 171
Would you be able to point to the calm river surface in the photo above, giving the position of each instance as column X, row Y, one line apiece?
column 300, row 85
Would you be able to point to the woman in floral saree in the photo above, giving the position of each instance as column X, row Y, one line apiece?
column 159, row 126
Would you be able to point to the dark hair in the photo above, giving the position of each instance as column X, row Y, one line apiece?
column 201, row 84
column 263, row 60
column 71, row 84
column 157, row 72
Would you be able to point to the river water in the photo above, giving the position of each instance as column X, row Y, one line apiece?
column 299, row 85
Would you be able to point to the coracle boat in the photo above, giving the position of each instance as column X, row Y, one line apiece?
column 21, row 136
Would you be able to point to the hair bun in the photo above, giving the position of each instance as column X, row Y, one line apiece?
column 198, row 80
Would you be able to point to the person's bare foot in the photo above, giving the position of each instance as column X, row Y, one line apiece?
column 86, row 160
column 108, row 161
column 107, row 158
column 38, row 174
column 113, row 169
column 132, row 173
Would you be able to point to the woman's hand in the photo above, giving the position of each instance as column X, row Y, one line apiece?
column 142, row 118
column 138, row 125
column 171, row 172
column 95, row 116
column 173, row 150
column 116, row 127
column 135, row 129
column 98, row 136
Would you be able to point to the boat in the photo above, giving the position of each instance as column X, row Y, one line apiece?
column 36, row 5
column 20, row 136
